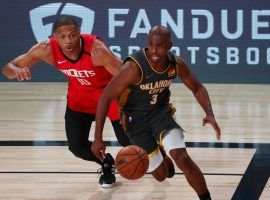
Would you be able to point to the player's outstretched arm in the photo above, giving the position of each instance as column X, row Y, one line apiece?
column 200, row 92
column 19, row 67
column 102, row 56
column 129, row 73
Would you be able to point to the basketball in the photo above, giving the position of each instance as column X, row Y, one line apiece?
column 132, row 162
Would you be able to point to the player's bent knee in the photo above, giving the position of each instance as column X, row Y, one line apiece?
column 84, row 152
column 173, row 139
column 76, row 151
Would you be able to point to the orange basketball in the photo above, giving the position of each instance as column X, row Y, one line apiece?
column 132, row 162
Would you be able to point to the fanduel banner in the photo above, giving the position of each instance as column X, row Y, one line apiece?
column 222, row 41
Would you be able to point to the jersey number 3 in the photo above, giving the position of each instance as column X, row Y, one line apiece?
column 154, row 99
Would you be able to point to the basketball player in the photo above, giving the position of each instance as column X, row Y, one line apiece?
column 146, row 114
column 88, row 65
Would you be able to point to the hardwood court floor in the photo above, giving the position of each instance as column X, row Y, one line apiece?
column 35, row 163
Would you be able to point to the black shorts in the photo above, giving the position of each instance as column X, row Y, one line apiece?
column 145, row 128
column 78, row 125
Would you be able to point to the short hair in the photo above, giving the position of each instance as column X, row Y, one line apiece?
column 160, row 30
column 64, row 20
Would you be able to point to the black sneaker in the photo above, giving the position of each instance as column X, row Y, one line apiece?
column 107, row 177
column 170, row 166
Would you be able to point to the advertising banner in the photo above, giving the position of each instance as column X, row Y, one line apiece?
column 222, row 41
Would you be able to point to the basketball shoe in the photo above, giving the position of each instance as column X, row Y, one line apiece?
column 170, row 166
column 107, row 173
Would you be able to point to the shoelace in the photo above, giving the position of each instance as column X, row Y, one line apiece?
column 100, row 172
column 111, row 170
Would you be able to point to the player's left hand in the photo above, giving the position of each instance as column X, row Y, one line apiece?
column 98, row 148
column 210, row 119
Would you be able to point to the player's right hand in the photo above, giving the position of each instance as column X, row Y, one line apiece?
column 98, row 149
column 210, row 119
column 22, row 73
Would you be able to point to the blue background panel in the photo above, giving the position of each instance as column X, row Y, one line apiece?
column 222, row 41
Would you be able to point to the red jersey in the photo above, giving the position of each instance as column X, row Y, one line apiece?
column 86, row 82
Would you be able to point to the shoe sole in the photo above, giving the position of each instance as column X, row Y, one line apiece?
column 107, row 185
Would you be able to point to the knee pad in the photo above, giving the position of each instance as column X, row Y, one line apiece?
column 173, row 139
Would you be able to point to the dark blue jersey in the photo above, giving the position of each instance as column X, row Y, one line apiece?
column 153, row 89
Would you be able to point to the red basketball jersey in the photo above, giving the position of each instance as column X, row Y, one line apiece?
column 86, row 82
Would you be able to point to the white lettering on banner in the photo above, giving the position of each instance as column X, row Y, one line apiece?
column 176, row 50
column 193, row 51
column 239, row 26
column 259, row 27
column 132, row 49
column 112, row 21
column 195, row 24
column 268, row 56
column 213, row 54
column 256, row 24
column 252, row 60
column 178, row 26
column 232, row 55
column 116, row 50
column 141, row 17
column 207, row 27
column 213, row 57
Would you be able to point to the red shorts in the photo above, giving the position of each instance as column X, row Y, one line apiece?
column 113, row 112
column 87, row 103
